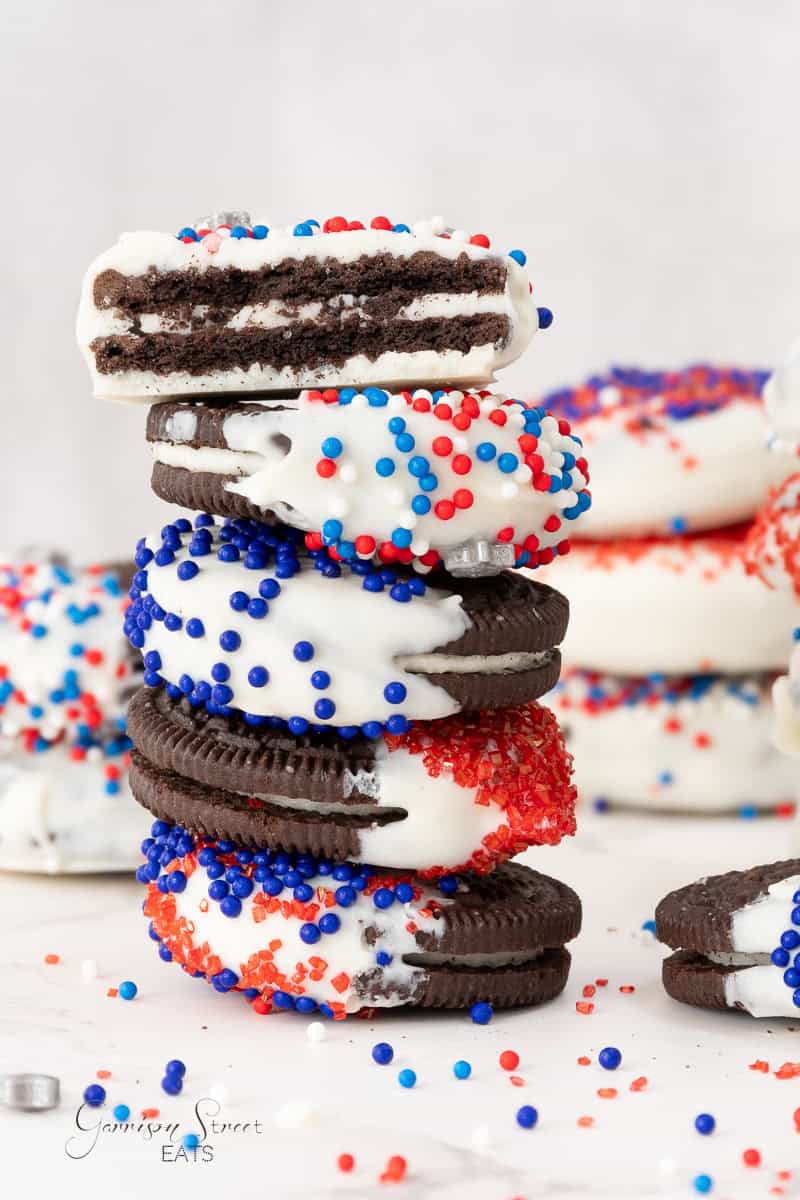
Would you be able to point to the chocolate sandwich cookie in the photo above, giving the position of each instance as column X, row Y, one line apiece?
column 244, row 617
column 296, row 932
column 736, row 938
column 461, row 793
column 232, row 306
column 474, row 478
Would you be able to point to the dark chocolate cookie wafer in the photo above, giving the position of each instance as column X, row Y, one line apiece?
column 243, row 616
column 735, row 937
column 352, row 937
column 460, row 793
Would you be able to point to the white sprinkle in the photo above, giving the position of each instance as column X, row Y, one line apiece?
column 89, row 969
column 316, row 1032
column 509, row 490
column 218, row 1092
column 348, row 473
column 481, row 1139
column 294, row 1115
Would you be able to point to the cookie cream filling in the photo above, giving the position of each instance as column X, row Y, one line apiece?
column 731, row 958
column 473, row 664
column 277, row 314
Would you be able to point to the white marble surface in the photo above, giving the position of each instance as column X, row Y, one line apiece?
column 460, row 1138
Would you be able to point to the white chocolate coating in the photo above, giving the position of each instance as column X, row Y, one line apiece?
column 677, row 606
column 708, row 471
column 348, row 951
column 682, row 745
column 782, row 401
column 755, row 930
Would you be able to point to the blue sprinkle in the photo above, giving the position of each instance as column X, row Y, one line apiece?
column 395, row 692
column 382, row 1053
column 508, row 463
column 462, row 1069
column 332, row 447
column 324, row 709
column 702, row 1184
column 195, row 627
column 303, row 651
column 545, row 318
column 481, row 1013
column 421, row 505
column 384, row 467
column 402, row 538
column 704, row 1123
column 527, row 1116
column 320, row 680
column 486, row 451
column 519, row 256
column 127, row 990
column 407, row 1078
column 609, row 1058
column 94, row 1095
column 121, row 1112
column 418, row 466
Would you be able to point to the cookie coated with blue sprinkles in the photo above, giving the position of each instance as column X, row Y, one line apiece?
column 271, row 556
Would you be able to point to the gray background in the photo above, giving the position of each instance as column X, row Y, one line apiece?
column 642, row 153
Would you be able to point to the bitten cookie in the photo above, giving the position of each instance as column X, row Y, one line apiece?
column 462, row 793
column 296, row 932
column 737, row 941
column 415, row 475
column 696, row 744
column 243, row 617
column 230, row 306
column 672, row 451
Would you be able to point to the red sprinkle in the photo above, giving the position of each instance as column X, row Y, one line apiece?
column 345, row 1162
column 584, row 1061
column 442, row 445
column 789, row 1070
column 589, row 990
column 585, row 1122
column 607, row 1093
column 509, row 1060
column 52, row 959
column 751, row 1158
column 102, row 1074
column 627, row 988
column 759, row 1065
column 639, row 1084
column 395, row 1169
column 584, row 1008
column 326, row 467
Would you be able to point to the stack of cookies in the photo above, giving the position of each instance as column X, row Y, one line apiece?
column 338, row 735
column 673, row 645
